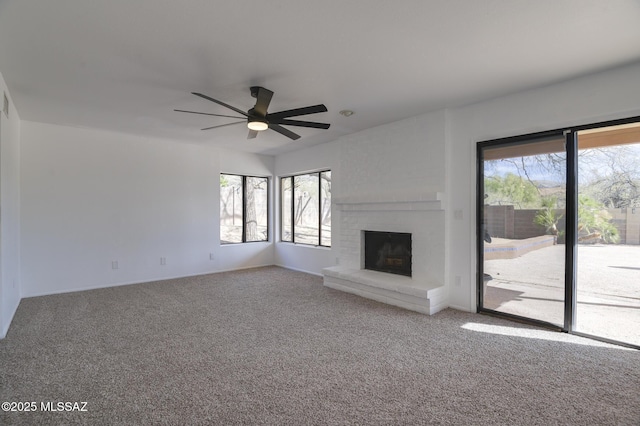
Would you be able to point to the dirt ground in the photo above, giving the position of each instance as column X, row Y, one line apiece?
column 608, row 290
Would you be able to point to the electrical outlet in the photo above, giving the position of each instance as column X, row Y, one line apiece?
column 163, row 260
column 211, row 256
column 114, row 264
column 458, row 281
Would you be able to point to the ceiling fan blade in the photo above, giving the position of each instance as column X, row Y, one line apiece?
column 283, row 131
column 264, row 98
column 298, row 111
column 239, row 111
column 312, row 124
column 206, row 113
column 252, row 134
column 223, row 125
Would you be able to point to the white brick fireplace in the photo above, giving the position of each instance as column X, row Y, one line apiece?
column 392, row 180
column 422, row 216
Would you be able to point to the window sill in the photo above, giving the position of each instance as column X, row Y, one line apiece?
column 311, row 246
column 246, row 242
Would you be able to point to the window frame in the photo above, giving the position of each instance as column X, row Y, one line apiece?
column 292, row 208
column 244, row 209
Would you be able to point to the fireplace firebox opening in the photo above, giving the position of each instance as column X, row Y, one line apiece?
column 388, row 252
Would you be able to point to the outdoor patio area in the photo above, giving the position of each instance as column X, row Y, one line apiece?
column 608, row 296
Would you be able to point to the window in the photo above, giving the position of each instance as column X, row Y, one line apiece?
column 306, row 208
column 244, row 209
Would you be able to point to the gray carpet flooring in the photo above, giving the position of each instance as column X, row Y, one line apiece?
column 273, row 346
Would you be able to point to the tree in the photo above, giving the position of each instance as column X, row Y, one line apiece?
column 251, row 218
column 511, row 190
column 594, row 221
column 549, row 215
column 325, row 209
column 611, row 175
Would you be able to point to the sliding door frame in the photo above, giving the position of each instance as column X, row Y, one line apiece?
column 481, row 146
column 571, row 227
column 571, row 230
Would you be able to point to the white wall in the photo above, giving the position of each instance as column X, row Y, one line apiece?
column 92, row 197
column 604, row 96
column 395, row 158
column 298, row 256
column 9, row 212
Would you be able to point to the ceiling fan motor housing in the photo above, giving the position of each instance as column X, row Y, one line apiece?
column 253, row 114
column 254, row 91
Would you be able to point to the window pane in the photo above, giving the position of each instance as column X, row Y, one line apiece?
column 305, row 205
column 285, row 186
column 523, row 228
column 608, row 249
column 256, row 205
column 230, row 209
column 325, row 209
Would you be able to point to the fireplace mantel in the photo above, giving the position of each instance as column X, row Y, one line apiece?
column 391, row 202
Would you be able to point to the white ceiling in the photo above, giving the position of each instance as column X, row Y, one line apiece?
column 124, row 65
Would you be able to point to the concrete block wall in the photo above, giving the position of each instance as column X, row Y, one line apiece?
column 508, row 222
column 627, row 220
column 499, row 221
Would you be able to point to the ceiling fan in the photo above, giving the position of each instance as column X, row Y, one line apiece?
column 258, row 119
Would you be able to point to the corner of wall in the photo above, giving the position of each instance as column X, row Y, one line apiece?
column 10, row 279
column 448, row 140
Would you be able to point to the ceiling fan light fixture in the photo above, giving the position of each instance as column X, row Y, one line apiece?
column 257, row 125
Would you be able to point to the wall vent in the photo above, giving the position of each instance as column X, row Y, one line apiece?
column 5, row 106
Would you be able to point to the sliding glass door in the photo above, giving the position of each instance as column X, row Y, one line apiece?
column 522, row 228
column 608, row 249
column 559, row 229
